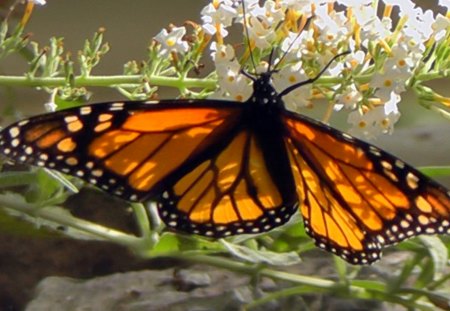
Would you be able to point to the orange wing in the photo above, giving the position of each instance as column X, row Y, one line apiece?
column 354, row 197
column 229, row 191
column 128, row 149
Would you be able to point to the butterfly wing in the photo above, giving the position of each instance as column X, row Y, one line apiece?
column 354, row 197
column 197, row 159
column 127, row 149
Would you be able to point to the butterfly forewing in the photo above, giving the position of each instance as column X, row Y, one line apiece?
column 127, row 149
column 354, row 197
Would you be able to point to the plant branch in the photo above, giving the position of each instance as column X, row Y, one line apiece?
column 106, row 81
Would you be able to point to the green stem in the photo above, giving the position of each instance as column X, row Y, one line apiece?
column 106, row 81
column 127, row 80
column 65, row 219
column 314, row 284
column 237, row 266
column 433, row 75
column 13, row 179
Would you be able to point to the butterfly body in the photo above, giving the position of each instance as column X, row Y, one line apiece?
column 219, row 168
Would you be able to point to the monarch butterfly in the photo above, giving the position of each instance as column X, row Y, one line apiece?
column 219, row 168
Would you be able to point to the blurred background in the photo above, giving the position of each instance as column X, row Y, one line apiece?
column 129, row 26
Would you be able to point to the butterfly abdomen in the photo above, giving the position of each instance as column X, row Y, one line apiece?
column 266, row 126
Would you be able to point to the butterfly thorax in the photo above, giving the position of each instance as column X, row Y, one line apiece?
column 264, row 94
column 264, row 107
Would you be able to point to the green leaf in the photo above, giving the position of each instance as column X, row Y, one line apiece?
column 436, row 171
column 69, row 98
column 44, row 187
column 437, row 250
column 167, row 243
column 62, row 179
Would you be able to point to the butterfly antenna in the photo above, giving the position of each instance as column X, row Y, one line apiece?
column 270, row 60
column 308, row 21
column 244, row 13
column 311, row 80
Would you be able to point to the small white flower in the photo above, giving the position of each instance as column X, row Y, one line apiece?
column 270, row 13
column 385, row 124
column 375, row 29
column 250, row 5
column 234, row 86
column 261, row 34
column 378, row 120
column 441, row 26
column 362, row 124
column 213, row 29
column 293, row 45
column 392, row 79
column 232, row 83
column 348, row 98
column 402, row 60
column 217, row 17
column 419, row 23
column 287, row 76
column 241, row 89
column 364, row 13
column 222, row 53
column 172, row 41
column 332, row 27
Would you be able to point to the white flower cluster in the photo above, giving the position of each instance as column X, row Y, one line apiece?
column 305, row 35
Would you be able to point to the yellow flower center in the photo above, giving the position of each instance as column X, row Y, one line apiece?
column 170, row 42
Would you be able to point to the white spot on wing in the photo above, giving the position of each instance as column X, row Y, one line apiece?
column 70, row 119
column 14, row 132
column 85, row 110
column 15, row 142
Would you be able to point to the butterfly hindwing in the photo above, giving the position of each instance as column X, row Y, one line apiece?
column 354, row 197
column 230, row 190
